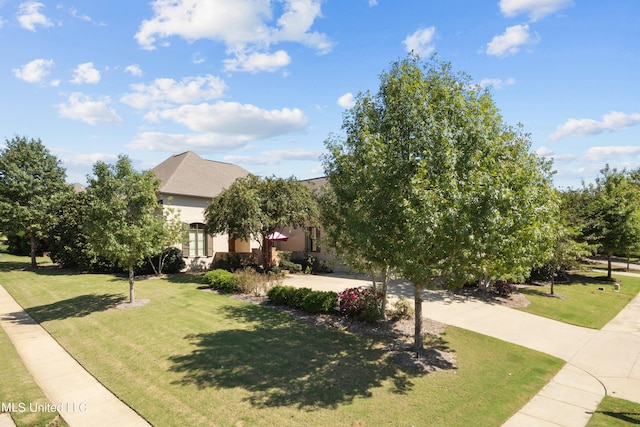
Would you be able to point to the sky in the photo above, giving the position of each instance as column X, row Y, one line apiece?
column 263, row 83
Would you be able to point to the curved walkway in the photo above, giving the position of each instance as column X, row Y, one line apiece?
column 599, row 362
column 83, row 400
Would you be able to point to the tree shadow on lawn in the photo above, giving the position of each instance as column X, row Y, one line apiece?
column 284, row 362
column 79, row 306
column 627, row 417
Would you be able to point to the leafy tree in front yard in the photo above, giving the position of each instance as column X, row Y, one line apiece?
column 613, row 214
column 124, row 224
column 449, row 191
column 32, row 182
column 254, row 207
column 68, row 243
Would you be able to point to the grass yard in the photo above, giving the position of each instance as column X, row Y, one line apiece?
column 581, row 302
column 17, row 387
column 614, row 412
column 191, row 357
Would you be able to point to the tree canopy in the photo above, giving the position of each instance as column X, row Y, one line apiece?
column 613, row 213
column 438, row 185
column 124, row 224
column 254, row 207
column 32, row 182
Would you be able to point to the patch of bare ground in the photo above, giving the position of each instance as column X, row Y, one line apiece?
column 396, row 333
column 136, row 303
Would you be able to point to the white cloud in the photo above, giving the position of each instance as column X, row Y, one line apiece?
column 74, row 12
column 373, row 3
column 165, row 92
column 255, row 62
column 89, row 159
column 84, row 108
column 198, row 58
column 29, row 16
column 497, row 84
column 544, row 151
column 274, row 157
column 346, row 100
column 243, row 121
column 203, row 142
column 242, row 25
column 134, row 70
column 600, row 154
column 584, row 127
column 34, row 71
column 509, row 43
column 420, row 41
column 536, row 9
column 85, row 73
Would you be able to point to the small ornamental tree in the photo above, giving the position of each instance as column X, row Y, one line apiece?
column 32, row 182
column 254, row 207
column 123, row 223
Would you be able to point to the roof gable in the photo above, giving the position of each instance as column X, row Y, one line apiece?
column 188, row 174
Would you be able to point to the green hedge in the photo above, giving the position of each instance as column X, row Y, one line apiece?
column 222, row 280
column 303, row 298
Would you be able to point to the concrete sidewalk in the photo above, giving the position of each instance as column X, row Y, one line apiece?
column 598, row 362
column 82, row 400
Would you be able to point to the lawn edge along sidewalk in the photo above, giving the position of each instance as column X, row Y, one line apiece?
column 79, row 398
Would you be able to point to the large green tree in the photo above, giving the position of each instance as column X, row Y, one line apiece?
column 124, row 223
column 444, row 188
column 32, row 182
column 254, row 207
column 613, row 214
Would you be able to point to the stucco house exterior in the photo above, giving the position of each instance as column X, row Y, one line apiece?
column 187, row 184
column 308, row 240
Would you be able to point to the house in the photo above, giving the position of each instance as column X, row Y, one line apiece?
column 306, row 241
column 187, row 184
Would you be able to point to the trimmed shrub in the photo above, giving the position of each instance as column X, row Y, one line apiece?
column 364, row 304
column 303, row 298
column 279, row 295
column 320, row 301
column 291, row 266
column 221, row 280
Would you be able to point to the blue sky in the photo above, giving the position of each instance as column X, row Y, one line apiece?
column 262, row 83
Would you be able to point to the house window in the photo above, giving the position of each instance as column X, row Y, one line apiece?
column 197, row 240
column 313, row 239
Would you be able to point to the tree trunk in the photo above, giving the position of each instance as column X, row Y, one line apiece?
column 34, row 264
column 385, row 286
column 609, row 265
column 484, row 284
column 417, row 337
column 131, row 293
column 553, row 279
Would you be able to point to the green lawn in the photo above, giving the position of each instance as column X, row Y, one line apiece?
column 191, row 357
column 613, row 412
column 582, row 302
column 18, row 388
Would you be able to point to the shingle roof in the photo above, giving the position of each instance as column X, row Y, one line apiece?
column 190, row 175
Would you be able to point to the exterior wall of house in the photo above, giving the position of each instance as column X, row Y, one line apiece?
column 191, row 211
